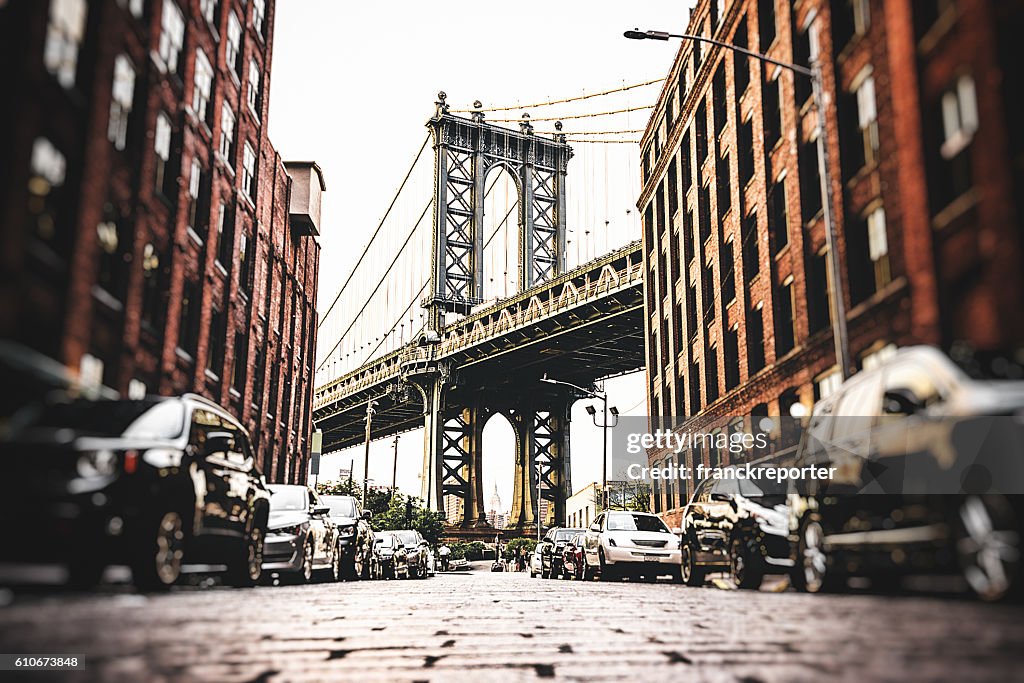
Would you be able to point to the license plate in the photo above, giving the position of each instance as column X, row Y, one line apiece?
column 649, row 556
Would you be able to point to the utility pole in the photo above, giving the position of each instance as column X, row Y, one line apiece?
column 394, row 467
column 370, row 410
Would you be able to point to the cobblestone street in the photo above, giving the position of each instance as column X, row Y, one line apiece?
column 483, row 626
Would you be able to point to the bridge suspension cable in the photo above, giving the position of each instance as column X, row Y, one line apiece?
column 565, row 100
column 366, row 249
column 574, row 116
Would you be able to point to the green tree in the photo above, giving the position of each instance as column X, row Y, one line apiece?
column 513, row 546
column 406, row 512
column 343, row 487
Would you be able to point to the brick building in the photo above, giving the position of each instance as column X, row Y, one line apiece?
column 153, row 239
column 925, row 172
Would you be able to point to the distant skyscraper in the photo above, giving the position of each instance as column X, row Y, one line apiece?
column 495, row 517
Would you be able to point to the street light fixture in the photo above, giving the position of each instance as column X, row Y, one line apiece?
column 371, row 407
column 836, row 301
column 604, row 425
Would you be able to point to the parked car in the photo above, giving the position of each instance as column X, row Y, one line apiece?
column 551, row 550
column 740, row 526
column 301, row 539
column 572, row 558
column 459, row 564
column 391, row 556
column 536, row 564
column 155, row 483
column 636, row 544
column 355, row 536
column 418, row 551
column 917, row 445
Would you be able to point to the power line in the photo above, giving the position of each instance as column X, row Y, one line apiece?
column 603, row 142
column 568, row 99
column 590, row 132
column 352, row 273
column 573, row 116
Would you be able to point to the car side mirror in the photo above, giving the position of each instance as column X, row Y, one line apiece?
column 901, row 401
column 367, row 515
column 721, row 497
column 677, row 530
column 218, row 442
column 321, row 510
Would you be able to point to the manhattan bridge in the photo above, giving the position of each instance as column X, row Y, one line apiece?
column 458, row 307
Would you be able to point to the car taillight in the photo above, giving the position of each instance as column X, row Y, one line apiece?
column 131, row 462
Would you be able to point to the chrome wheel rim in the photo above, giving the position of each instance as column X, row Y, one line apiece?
column 307, row 562
column 357, row 565
column 255, row 560
column 738, row 565
column 814, row 560
column 686, row 568
column 170, row 542
column 989, row 551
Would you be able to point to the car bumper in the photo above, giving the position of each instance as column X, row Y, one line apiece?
column 620, row 555
column 282, row 552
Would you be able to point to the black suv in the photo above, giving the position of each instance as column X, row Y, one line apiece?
column 929, row 469
column 154, row 483
column 355, row 536
column 551, row 551
column 738, row 526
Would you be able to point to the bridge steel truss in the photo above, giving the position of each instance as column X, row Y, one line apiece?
column 579, row 326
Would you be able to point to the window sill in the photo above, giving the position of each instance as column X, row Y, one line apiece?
column 233, row 393
column 955, row 209
column 194, row 236
column 221, row 268
column 107, row 299
column 183, row 355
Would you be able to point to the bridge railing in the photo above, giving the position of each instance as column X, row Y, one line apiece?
column 564, row 292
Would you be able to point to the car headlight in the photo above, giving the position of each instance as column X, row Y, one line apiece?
column 348, row 530
column 102, row 463
column 288, row 530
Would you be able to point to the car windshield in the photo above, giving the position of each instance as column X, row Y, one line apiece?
column 386, row 541
column 341, row 506
column 565, row 534
column 288, row 498
column 146, row 419
column 631, row 521
column 407, row 537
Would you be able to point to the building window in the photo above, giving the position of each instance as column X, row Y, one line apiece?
column 928, row 12
column 801, row 55
column 233, row 47
column 188, row 321
column 825, row 385
column 254, row 88
column 172, row 35
column 878, row 247
column 779, row 223
column 152, row 288
column 695, row 404
column 721, row 105
column 202, row 84
column 784, row 323
column 818, row 314
column 114, row 244
column 215, row 343
column 244, row 263
column 259, row 15
column 227, row 133
column 849, row 18
column 249, row 172
column 959, row 116
column 727, row 268
column 209, row 10
column 755, row 339
column 732, row 358
column 45, row 187
column 162, row 145
column 240, row 365
column 711, row 374
column 65, row 32
column 745, row 143
column 766, row 23
column 135, row 7
column 702, row 134
column 122, row 94
column 867, row 118
column 750, row 248
column 196, row 219
column 740, row 62
column 810, row 180
column 704, row 211
column 225, row 235
column 724, row 187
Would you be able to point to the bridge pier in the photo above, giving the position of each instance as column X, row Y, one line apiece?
column 542, row 450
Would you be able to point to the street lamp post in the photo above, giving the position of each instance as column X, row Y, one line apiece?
column 837, row 304
column 603, row 397
column 370, row 410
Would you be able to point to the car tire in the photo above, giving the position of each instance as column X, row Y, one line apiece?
column 588, row 571
column 607, row 573
column 812, row 573
column 742, row 568
column 333, row 573
column 247, row 569
column 159, row 551
column 689, row 572
column 305, row 574
column 988, row 545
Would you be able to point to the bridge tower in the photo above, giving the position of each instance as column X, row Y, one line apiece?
column 465, row 151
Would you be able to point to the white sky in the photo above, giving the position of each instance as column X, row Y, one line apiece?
column 353, row 84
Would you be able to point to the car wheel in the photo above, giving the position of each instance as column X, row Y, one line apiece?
column 812, row 573
column 689, row 572
column 988, row 546
column 358, row 564
column 333, row 573
column 606, row 572
column 306, row 571
column 248, row 568
column 742, row 569
column 158, row 556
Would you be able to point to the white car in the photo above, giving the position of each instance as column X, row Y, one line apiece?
column 536, row 563
column 637, row 544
